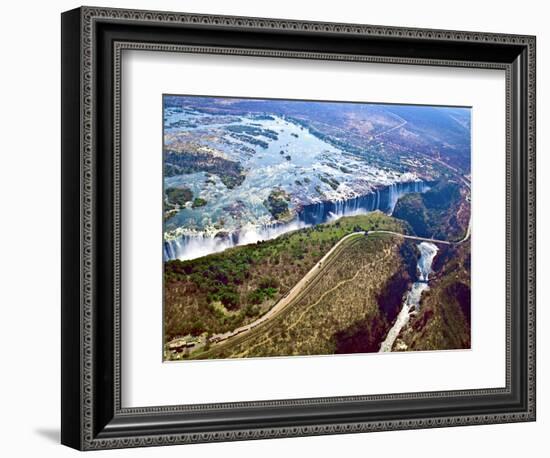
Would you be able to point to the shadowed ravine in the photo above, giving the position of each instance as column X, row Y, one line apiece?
column 412, row 298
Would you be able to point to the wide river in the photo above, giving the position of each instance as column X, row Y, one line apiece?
column 322, row 181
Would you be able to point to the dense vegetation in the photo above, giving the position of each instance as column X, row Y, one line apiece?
column 331, row 181
column 199, row 202
column 277, row 204
column 222, row 291
column 253, row 131
column 267, row 289
column 179, row 196
column 434, row 213
column 231, row 173
column 338, row 311
column 171, row 170
column 249, row 139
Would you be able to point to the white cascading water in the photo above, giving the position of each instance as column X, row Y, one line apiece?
column 195, row 245
column 201, row 244
column 412, row 298
column 427, row 254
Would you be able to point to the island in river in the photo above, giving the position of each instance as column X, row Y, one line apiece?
column 309, row 228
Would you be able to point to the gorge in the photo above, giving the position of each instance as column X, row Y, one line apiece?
column 412, row 298
column 195, row 244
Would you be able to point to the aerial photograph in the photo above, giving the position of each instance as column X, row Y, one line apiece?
column 303, row 228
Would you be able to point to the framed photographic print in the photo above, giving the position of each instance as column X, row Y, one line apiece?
column 277, row 228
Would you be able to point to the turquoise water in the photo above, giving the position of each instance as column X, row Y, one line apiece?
column 311, row 158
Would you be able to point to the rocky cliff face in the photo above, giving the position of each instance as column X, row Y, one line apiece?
column 443, row 322
column 200, row 243
column 442, row 212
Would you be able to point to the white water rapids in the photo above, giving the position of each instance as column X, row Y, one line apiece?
column 193, row 245
column 412, row 298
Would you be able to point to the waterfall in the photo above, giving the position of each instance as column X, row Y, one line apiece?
column 383, row 199
column 197, row 245
column 393, row 196
column 194, row 245
column 427, row 255
column 411, row 302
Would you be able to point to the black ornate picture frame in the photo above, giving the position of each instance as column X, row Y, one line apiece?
column 92, row 42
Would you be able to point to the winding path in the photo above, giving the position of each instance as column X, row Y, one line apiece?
column 288, row 298
column 218, row 339
column 389, row 130
column 412, row 237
